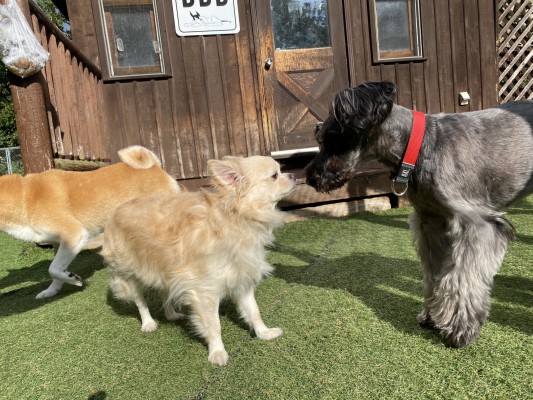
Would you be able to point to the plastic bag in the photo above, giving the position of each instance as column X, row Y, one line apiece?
column 19, row 48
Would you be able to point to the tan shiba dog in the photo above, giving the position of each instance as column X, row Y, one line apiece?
column 197, row 248
column 67, row 208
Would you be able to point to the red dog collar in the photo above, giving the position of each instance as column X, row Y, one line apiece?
column 411, row 153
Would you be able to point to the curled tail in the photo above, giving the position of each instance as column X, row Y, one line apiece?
column 138, row 157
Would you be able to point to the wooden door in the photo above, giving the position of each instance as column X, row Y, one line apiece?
column 302, row 62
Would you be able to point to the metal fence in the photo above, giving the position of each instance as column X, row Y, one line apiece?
column 11, row 161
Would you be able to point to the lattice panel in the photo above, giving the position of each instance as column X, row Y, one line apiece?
column 515, row 40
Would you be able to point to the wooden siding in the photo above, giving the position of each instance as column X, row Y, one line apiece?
column 74, row 98
column 206, row 108
column 212, row 103
column 459, row 47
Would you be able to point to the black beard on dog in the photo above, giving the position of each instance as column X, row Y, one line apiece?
column 470, row 167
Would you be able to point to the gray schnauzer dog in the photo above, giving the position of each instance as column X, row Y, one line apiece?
column 470, row 167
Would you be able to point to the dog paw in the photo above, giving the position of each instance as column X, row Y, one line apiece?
column 219, row 357
column 149, row 326
column 461, row 339
column 269, row 334
column 75, row 279
column 68, row 277
column 425, row 321
column 46, row 294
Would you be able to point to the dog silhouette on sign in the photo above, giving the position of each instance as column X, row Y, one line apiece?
column 195, row 16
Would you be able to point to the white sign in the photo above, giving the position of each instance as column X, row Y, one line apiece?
column 206, row 17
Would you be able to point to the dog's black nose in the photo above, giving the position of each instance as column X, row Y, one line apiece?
column 311, row 180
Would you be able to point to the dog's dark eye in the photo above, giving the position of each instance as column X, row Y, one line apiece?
column 275, row 176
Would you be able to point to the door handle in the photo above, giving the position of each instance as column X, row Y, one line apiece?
column 268, row 63
column 120, row 45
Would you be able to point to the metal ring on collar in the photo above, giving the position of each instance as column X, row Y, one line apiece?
column 394, row 189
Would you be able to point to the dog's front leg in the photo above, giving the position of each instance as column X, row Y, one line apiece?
column 207, row 323
column 433, row 245
column 250, row 313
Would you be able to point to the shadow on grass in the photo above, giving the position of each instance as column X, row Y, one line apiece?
column 514, row 290
column 23, row 298
column 522, row 206
column 227, row 310
column 388, row 286
column 129, row 309
column 526, row 239
column 392, row 288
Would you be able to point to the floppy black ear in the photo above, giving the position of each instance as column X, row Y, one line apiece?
column 364, row 106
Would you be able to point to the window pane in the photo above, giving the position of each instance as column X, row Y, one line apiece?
column 132, row 36
column 393, row 25
column 300, row 24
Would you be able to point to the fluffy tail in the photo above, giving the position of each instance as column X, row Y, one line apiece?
column 138, row 157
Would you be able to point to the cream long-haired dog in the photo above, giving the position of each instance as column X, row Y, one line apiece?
column 197, row 248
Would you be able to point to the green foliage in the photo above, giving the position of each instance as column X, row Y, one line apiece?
column 8, row 130
column 55, row 15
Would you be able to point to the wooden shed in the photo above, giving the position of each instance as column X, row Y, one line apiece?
column 201, row 79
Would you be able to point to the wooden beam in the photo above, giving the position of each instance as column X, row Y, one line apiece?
column 78, row 165
column 30, row 112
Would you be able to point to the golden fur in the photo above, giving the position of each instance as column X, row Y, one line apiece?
column 198, row 247
column 67, row 208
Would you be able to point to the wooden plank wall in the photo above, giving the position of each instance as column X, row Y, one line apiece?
column 75, row 104
column 459, row 44
column 210, row 106
column 207, row 109
column 82, row 28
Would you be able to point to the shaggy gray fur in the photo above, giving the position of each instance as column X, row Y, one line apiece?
column 471, row 166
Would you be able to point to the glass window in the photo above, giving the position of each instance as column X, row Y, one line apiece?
column 395, row 29
column 133, row 42
column 300, row 24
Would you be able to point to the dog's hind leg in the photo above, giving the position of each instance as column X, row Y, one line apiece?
column 462, row 294
column 52, row 290
column 128, row 290
column 168, row 305
column 64, row 254
column 58, row 268
column 250, row 313
column 55, row 286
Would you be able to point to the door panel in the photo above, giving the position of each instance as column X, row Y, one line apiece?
column 297, row 87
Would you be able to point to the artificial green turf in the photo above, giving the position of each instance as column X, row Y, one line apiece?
column 345, row 291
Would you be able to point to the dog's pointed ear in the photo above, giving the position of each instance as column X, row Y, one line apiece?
column 364, row 106
column 225, row 172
